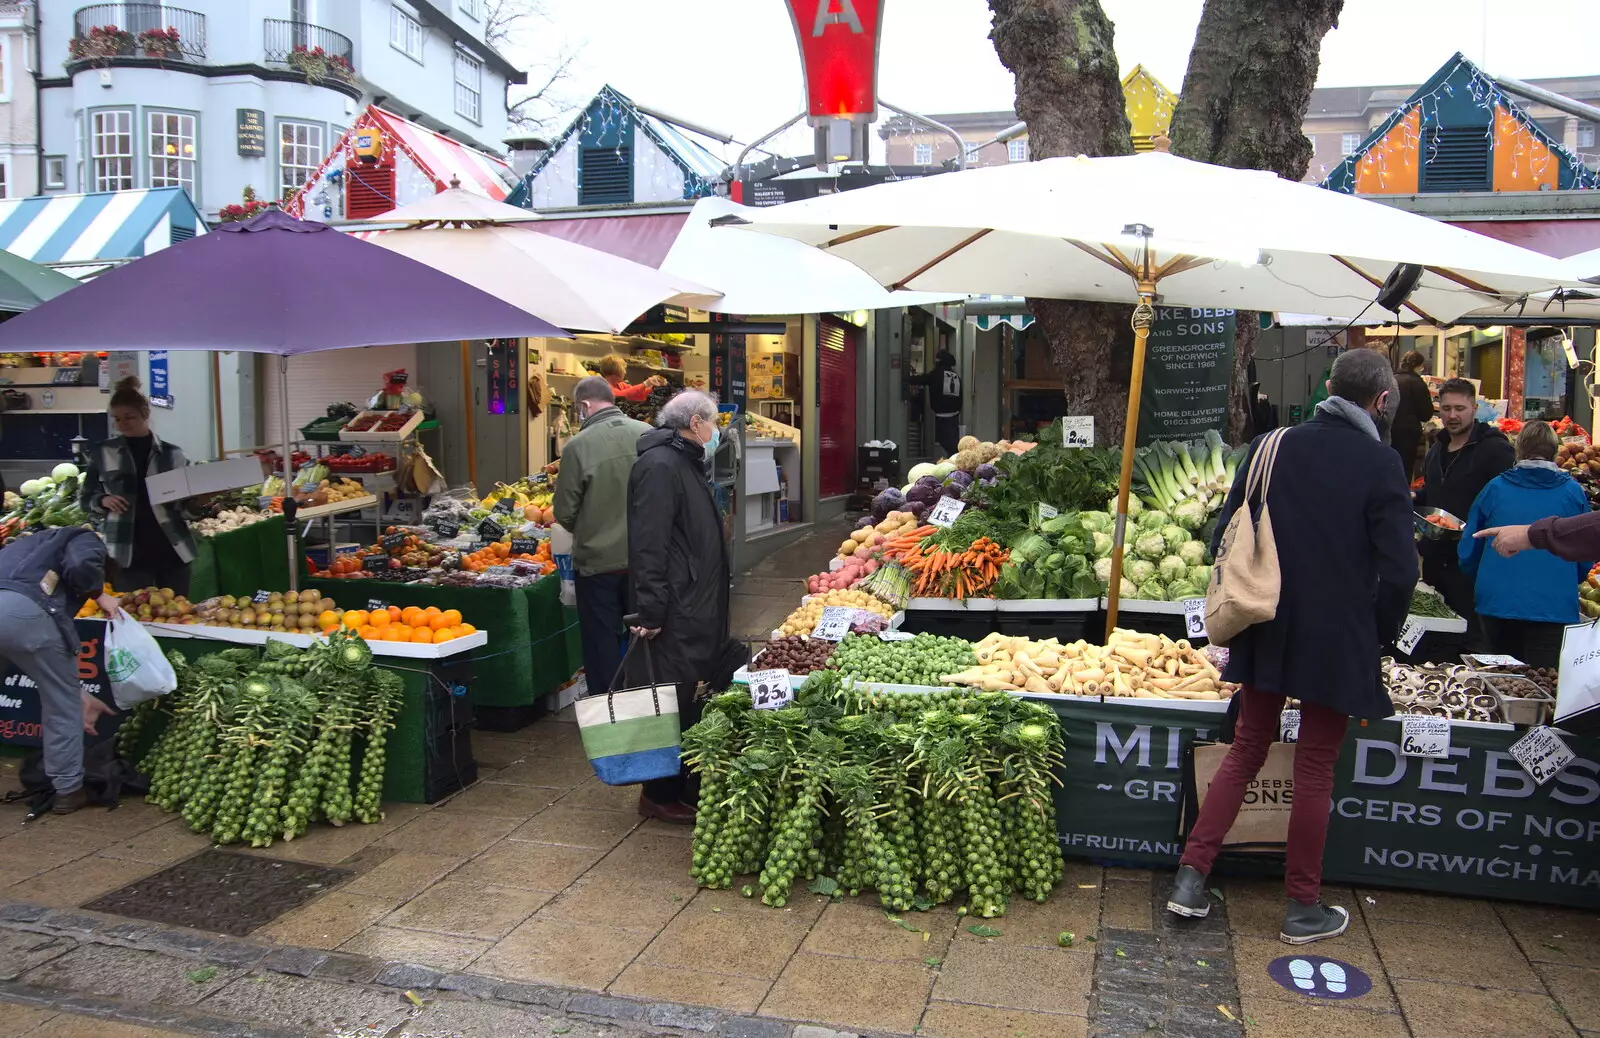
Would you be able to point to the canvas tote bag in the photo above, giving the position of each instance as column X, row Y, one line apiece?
column 631, row 736
column 1245, row 580
column 1263, row 821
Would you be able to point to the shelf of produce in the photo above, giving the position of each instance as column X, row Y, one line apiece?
column 354, row 504
column 894, row 621
column 238, row 636
column 953, row 605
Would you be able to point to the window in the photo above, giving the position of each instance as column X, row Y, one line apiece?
column 77, row 146
column 972, row 152
column 1348, row 143
column 55, row 172
column 5, row 191
column 1586, row 135
column 405, row 32
column 469, row 86
column 472, row 8
column 111, row 148
column 299, row 154
column 922, row 154
column 1017, row 150
column 171, row 145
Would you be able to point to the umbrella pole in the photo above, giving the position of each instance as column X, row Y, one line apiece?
column 288, row 474
column 466, row 406
column 216, row 392
column 1143, row 316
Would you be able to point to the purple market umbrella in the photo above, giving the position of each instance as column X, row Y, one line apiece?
column 272, row 284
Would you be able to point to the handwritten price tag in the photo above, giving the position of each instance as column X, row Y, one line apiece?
column 946, row 511
column 895, row 636
column 490, row 530
column 1077, row 431
column 770, row 689
column 1410, row 635
column 505, row 506
column 446, row 530
column 1424, row 736
column 1494, row 661
column 1194, row 618
column 375, row 604
column 261, row 596
column 1542, row 754
column 835, row 623
column 1047, row 511
column 1289, row 726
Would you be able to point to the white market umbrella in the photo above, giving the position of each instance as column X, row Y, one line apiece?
column 1114, row 229
column 763, row 274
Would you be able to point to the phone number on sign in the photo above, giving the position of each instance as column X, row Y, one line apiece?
column 20, row 730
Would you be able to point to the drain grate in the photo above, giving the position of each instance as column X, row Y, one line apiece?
column 221, row 892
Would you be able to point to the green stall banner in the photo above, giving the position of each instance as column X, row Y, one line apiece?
column 240, row 562
column 1474, row 823
column 1188, row 365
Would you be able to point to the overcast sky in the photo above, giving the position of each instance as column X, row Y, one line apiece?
column 733, row 65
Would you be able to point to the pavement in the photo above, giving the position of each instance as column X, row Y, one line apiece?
column 538, row 903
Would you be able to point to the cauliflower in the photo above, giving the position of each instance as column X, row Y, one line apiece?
column 1175, row 536
column 1138, row 570
column 1193, row 553
column 1102, row 570
column 1151, row 591
column 1150, row 545
column 1190, row 513
column 1172, row 568
column 967, row 443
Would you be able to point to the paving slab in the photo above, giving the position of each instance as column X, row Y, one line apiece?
column 733, row 994
column 21, row 951
column 1455, row 1010
column 856, row 993
column 316, row 1006
column 440, row 951
column 444, row 1019
column 131, row 974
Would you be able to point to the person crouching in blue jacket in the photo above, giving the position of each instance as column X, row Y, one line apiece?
column 1525, row 601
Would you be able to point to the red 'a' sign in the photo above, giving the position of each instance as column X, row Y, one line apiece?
column 839, row 56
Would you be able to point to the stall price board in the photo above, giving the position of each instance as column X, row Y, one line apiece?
column 1047, row 512
column 261, row 596
column 1194, row 618
column 1542, row 754
column 524, row 545
column 1077, row 431
column 376, row 604
column 375, row 563
column 895, row 636
column 490, row 530
column 1425, row 737
column 392, row 542
column 770, row 689
column 946, row 511
column 447, row 531
column 834, row 623
column 505, row 506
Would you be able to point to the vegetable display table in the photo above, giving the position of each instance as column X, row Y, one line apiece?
column 430, row 750
column 1066, row 619
column 1473, row 824
column 240, row 562
column 532, row 647
column 971, row 618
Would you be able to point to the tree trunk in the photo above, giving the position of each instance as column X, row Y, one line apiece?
column 1070, row 94
column 1244, row 101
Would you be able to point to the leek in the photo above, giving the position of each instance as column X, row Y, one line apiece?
column 1216, row 450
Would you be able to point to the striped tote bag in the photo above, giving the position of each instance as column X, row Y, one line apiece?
column 631, row 736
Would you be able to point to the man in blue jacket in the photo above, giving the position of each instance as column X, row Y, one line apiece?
column 1524, row 603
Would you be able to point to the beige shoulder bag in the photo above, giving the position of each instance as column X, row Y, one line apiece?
column 1245, row 580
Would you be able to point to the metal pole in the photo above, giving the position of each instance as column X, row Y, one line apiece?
column 471, row 423
column 216, row 392
column 1143, row 316
column 738, row 165
column 1543, row 96
column 288, row 474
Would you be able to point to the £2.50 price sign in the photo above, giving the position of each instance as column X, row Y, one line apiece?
column 770, row 689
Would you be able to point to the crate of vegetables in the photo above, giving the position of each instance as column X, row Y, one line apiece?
column 381, row 425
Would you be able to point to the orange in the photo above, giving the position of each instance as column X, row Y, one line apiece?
column 409, row 615
column 379, row 618
column 466, row 629
column 444, row 634
column 368, row 632
column 452, row 616
column 355, row 619
column 440, row 622
column 394, row 614
column 330, row 628
column 422, row 635
column 502, row 548
column 431, row 611
column 397, row 633
column 327, row 618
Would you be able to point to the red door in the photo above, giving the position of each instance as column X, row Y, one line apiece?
column 836, row 395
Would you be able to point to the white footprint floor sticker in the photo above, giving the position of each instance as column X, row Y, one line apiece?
column 1316, row 976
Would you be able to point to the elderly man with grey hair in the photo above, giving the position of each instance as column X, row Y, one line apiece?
column 591, row 502
column 679, row 565
column 1341, row 519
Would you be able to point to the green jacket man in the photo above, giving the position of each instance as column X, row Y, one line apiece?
column 591, row 502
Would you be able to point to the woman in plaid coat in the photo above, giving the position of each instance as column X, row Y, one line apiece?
column 150, row 544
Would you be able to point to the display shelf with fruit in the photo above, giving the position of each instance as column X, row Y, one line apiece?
column 381, row 425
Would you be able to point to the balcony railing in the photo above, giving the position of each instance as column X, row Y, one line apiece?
column 101, row 32
column 316, row 52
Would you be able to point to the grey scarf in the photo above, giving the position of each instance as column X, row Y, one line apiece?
column 1539, row 463
column 1339, row 407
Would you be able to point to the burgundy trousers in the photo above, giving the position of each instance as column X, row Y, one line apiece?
column 1321, row 735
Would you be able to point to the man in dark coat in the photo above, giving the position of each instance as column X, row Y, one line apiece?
column 1341, row 518
column 1465, row 455
column 679, row 563
column 1416, row 407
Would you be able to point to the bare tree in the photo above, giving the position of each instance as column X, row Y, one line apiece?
column 1069, row 92
column 1244, row 102
column 508, row 26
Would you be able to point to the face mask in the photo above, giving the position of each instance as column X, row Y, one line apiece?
column 711, row 444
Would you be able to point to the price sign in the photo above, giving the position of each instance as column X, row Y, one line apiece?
column 490, row 530
column 1542, row 753
column 835, row 623
column 1410, row 634
column 524, row 545
column 1077, row 430
column 391, row 541
column 946, row 511
column 377, row 562
column 506, row 505
column 500, row 571
column 261, row 596
column 770, row 689
column 1194, row 618
column 1289, row 726
column 357, row 451
column 896, row 636
column 1493, row 660
column 376, row 604
column 446, row 530
column 1047, row 511
column 1424, row 736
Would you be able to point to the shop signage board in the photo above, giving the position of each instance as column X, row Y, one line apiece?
column 250, row 132
column 839, row 56
column 728, row 363
column 160, row 380
column 1473, row 823
column 1188, row 365
column 20, row 721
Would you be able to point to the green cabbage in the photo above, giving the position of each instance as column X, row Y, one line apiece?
column 1096, row 522
column 1151, row 591
column 1138, row 570
column 1174, row 535
column 1101, row 546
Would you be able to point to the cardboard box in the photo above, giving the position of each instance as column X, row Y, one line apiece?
column 766, row 387
column 209, row 478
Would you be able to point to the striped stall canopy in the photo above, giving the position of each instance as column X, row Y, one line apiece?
column 442, row 158
column 106, row 225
